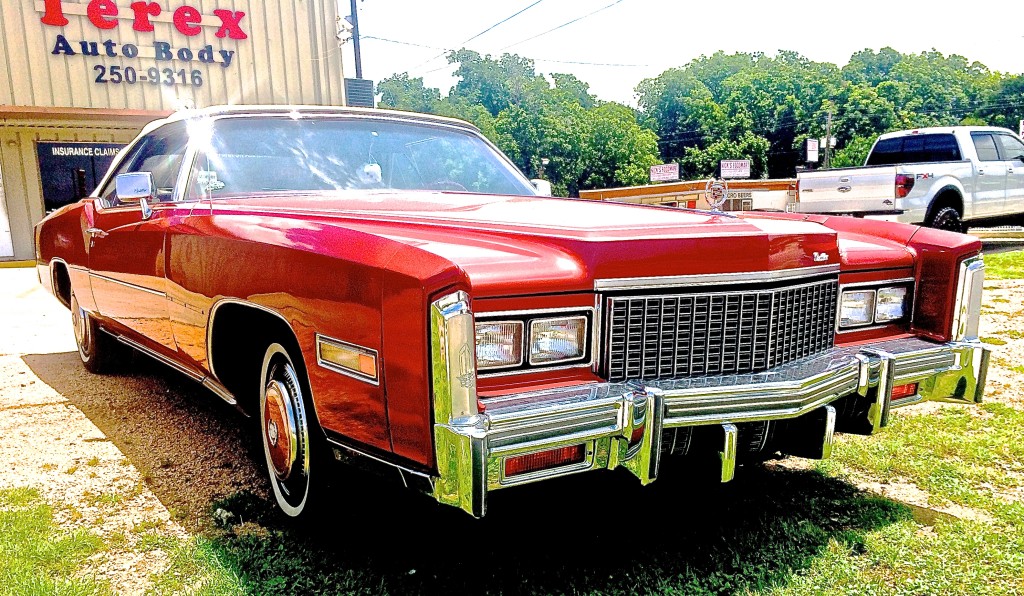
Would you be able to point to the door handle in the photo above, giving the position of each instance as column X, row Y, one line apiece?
column 96, row 233
column 1009, row 170
column 981, row 172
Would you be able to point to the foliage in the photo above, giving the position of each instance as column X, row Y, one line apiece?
column 854, row 153
column 723, row 106
column 712, row 102
column 586, row 143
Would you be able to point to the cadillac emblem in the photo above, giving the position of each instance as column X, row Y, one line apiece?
column 716, row 192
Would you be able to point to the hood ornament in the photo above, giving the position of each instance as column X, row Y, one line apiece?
column 716, row 192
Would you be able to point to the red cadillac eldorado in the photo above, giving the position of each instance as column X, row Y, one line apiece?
column 388, row 289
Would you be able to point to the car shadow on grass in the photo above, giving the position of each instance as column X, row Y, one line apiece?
column 593, row 533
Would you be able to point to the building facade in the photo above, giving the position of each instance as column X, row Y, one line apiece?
column 80, row 78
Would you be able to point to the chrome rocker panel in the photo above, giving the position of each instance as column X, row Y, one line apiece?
column 603, row 416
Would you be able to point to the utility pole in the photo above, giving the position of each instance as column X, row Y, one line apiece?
column 355, row 41
column 828, row 132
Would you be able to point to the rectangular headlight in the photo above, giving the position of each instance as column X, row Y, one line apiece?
column 890, row 304
column 555, row 340
column 857, row 309
column 499, row 344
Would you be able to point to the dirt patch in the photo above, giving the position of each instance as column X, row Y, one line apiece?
column 129, row 458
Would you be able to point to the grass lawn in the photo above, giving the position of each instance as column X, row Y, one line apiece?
column 1004, row 265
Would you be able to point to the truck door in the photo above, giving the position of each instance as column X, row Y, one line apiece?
column 990, row 181
column 1011, row 149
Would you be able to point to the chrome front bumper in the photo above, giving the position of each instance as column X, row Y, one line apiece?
column 603, row 416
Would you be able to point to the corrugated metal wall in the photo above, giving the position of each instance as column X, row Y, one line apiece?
column 290, row 56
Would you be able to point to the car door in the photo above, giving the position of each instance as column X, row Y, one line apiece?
column 126, row 252
column 990, row 181
column 1011, row 149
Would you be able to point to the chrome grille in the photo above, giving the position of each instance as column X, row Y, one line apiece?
column 714, row 333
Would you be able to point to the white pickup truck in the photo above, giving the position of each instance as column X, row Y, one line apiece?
column 945, row 177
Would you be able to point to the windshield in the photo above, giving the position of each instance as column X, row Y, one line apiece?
column 258, row 155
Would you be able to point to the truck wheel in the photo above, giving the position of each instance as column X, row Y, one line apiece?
column 290, row 436
column 947, row 218
column 97, row 350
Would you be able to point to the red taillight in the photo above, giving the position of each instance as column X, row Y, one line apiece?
column 543, row 460
column 904, row 391
column 904, row 184
column 636, row 436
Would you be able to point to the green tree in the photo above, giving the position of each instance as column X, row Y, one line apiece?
column 495, row 84
column 399, row 92
column 703, row 163
column 853, row 153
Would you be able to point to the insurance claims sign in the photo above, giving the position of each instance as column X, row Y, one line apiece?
column 179, row 59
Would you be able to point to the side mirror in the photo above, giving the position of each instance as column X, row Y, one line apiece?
column 543, row 187
column 136, row 187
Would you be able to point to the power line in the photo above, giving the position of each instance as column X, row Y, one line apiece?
column 419, row 45
column 566, row 24
column 498, row 24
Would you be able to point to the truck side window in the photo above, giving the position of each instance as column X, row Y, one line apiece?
column 985, row 145
column 886, row 152
column 1011, row 148
column 941, row 148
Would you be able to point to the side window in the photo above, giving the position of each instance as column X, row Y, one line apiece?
column 941, row 148
column 886, row 152
column 1010, row 148
column 985, row 145
column 107, row 194
column 160, row 153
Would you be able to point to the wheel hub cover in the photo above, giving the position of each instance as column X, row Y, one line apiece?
column 279, row 430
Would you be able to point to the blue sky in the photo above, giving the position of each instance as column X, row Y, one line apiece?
column 617, row 47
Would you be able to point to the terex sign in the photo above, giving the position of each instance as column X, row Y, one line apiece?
column 187, row 19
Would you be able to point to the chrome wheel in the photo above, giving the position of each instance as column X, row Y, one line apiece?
column 83, row 330
column 285, row 431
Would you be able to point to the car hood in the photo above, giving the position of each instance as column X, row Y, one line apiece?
column 517, row 245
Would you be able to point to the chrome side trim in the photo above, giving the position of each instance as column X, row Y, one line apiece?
column 728, row 453
column 209, row 382
column 220, row 390
column 878, row 413
column 128, row 284
column 644, row 283
column 195, row 376
column 213, row 314
column 323, row 339
column 404, row 473
column 460, row 431
column 53, row 279
column 828, row 441
column 967, row 303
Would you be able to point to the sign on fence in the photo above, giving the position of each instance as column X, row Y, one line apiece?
column 665, row 172
column 735, row 168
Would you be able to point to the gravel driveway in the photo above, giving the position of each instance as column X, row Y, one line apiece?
column 145, row 449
